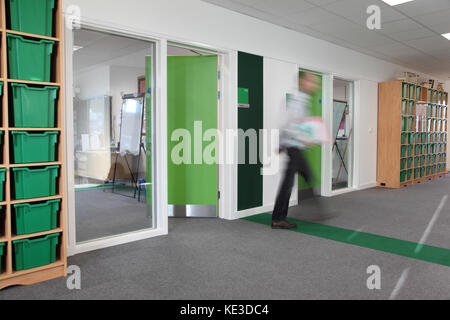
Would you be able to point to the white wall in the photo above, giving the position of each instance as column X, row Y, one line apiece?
column 340, row 93
column 208, row 25
column 92, row 83
column 123, row 81
column 366, row 131
column 279, row 78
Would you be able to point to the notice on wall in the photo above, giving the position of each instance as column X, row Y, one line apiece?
column 243, row 98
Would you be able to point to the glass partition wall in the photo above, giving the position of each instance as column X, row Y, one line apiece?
column 113, row 133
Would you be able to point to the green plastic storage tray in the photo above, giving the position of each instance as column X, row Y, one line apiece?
column 410, row 162
column 33, row 107
column 402, row 164
column 34, row 147
column 2, row 245
column 418, row 93
column 2, row 183
column 411, row 91
column 33, row 253
column 402, row 176
column 410, row 123
column 1, row 143
column 33, row 218
column 29, row 59
column 416, row 150
column 409, row 174
column 403, row 151
column 410, row 150
column 35, row 183
column 411, row 108
column 403, row 139
column 32, row 16
column 404, row 90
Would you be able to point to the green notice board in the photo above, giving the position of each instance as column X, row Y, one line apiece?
column 191, row 96
column 250, row 76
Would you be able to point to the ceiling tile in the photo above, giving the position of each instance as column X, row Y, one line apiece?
column 399, row 26
column 311, row 17
column 356, row 10
column 420, row 7
column 430, row 44
column 411, row 35
column 434, row 18
column 321, row 3
column 283, row 7
column 411, row 42
column 398, row 49
column 242, row 2
column 440, row 28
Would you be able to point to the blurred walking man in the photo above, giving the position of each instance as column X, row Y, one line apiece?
column 300, row 131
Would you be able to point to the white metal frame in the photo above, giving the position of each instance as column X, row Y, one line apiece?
column 160, row 152
column 224, row 89
column 327, row 150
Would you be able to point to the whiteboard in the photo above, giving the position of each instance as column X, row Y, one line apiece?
column 131, row 125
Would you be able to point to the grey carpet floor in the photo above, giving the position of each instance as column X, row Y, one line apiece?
column 101, row 213
column 217, row 259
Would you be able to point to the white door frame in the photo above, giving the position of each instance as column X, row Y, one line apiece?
column 160, row 152
column 327, row 149
column 224, row 89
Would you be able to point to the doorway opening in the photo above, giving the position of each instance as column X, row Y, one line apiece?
column 314, row 154
column 193, row 98
column 342, row 134
column 113, row 78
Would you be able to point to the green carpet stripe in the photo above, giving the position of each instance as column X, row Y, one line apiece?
column 366, row 240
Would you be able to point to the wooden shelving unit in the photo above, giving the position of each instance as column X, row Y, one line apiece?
column 9, row 276
column 412, row 134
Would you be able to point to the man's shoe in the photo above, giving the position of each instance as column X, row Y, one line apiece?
column 283, row 225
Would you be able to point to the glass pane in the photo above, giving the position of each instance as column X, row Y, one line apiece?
column 342, row 135
column 112, row 134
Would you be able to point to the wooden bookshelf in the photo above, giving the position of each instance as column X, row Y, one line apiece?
column 9, row 276
column 412, row 134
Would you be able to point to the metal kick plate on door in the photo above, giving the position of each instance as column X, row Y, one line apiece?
column 192, row 211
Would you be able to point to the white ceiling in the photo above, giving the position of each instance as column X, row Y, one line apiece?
column 410, row 33
column 99, row 48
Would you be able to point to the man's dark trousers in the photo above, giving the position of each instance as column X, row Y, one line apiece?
column 297, row 164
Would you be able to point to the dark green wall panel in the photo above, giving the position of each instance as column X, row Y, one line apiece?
column 250, row 180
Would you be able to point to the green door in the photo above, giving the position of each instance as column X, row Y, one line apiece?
column 192, row 100
column 314, row 155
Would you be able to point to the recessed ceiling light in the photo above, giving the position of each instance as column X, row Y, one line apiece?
column 76, row 48
column 446, row 35
column 396, row 2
